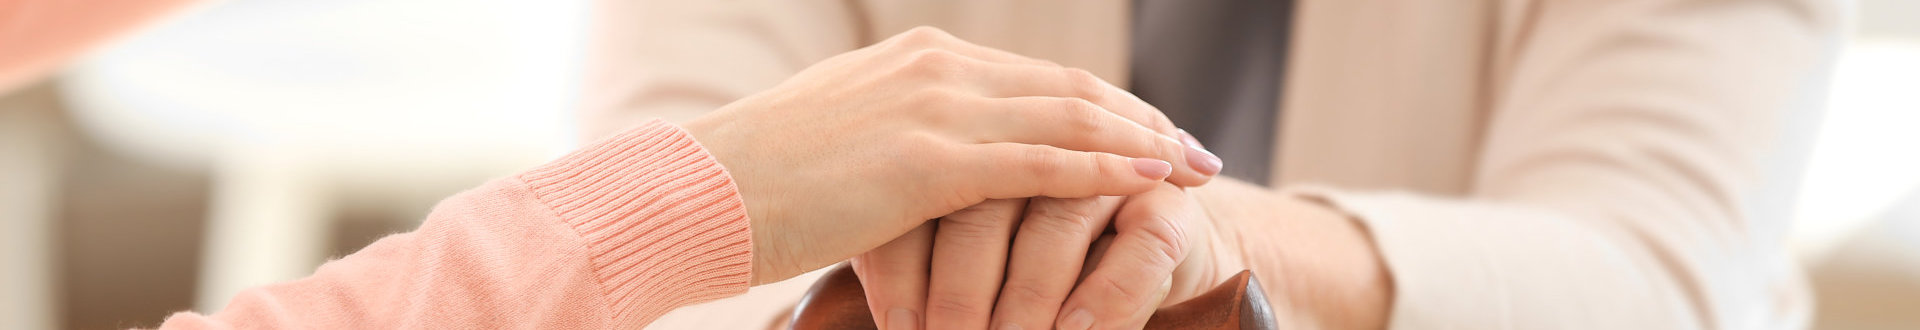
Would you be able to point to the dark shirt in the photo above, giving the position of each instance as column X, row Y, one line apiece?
column 1214, row 67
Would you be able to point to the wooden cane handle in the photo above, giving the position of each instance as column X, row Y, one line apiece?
column 838, row 302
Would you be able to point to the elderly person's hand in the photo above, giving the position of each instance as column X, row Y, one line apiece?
column 1059, row 268
column 862, row 147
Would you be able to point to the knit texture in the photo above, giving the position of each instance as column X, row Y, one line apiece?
column 611, row 236
column 682, row 237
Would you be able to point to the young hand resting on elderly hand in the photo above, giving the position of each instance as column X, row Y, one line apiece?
column 1036, row 264
column 1109, row 262
column 1041, row 263
column 843, row 157
column 864, row 146
column 1104, row 262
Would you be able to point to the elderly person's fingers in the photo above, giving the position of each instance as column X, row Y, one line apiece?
column 895, row 278
column 969, row 259
column 1047, row 257
column 1134, row 274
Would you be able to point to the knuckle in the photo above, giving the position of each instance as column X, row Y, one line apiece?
column 924, row 35
column 1029, row 294
column 1158, row 121
column 1109, row 166
column 1162, row 147
column 934, row 63
column 972, row 232
column 1127, row 295
column 1087, row 165
column 1080, row 115
column 1158, row 124
column 1167, row 240
column 1074, row 215
column 1041, row 162
column 953, row 305
column 1084, row 84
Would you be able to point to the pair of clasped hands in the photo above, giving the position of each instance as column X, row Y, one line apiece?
column 1057, row 196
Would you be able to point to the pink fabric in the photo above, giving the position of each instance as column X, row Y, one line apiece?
column 611, row 236
column 37, row 36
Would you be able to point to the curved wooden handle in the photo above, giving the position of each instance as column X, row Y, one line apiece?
column 838, row 302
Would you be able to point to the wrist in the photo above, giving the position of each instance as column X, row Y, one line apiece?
column 1317, row 264
column 651, row 197
column 771, row 262
column 1344, row 283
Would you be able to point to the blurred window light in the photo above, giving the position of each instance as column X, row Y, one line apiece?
column 1868, row 154
column 383, row 71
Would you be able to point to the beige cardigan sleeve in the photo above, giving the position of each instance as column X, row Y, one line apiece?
column 679, row 59
column 1623, row 137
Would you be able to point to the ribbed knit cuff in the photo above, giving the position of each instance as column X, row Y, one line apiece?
column 662, row 219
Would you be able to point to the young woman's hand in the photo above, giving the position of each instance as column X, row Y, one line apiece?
column 861, row 147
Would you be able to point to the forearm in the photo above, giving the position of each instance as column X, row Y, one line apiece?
column 611, row 236
column 469, row 264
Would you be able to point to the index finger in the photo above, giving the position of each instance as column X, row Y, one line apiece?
column 1013, row 81
column 1018, row 76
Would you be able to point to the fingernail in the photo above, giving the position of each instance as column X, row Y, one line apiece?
column 1153, row 168
column 1010, row 326
column 1197, row 155
column 1079, row 320
column 901, row 319
column 1203, row 161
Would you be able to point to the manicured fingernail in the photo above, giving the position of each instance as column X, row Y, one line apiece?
column 1203, row 161
column 901, row 319
column 1197, row 155
column 1153, row 168
column 1079, row 320
column 1010, row 326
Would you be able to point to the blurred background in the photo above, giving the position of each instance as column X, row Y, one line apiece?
column 135, row 183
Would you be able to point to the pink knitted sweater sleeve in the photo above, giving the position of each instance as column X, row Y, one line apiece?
column 611, row 236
